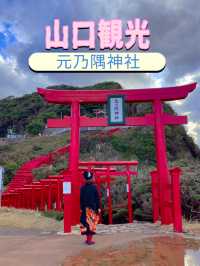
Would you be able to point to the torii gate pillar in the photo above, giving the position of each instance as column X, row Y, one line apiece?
column 162, row 164
column 158, row 120
column 74, row 159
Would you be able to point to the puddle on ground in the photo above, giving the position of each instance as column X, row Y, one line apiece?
column 175, row 251
column 192, row 257
column 157, row 251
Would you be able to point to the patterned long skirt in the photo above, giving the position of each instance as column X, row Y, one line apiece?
column 89, row 220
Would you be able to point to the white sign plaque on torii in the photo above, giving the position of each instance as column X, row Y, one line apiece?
column 116, row 110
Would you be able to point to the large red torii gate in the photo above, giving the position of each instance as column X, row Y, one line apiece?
column 158, row 119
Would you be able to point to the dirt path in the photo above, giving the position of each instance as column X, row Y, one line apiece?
column 28, row 239
column 154, row 251
column 26, row 248
column 39, row 248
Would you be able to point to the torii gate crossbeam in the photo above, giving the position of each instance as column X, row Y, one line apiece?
column 158, row 119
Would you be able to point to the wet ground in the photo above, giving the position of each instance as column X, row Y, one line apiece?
column 156, row 251
column 131, row 244
column 27, row 238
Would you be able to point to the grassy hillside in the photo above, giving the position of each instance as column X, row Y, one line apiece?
column 29, row 114
column 114, row 148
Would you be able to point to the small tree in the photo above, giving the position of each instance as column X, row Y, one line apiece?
column 10, row 168
column 35, row 127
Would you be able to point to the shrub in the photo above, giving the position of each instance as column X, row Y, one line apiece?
column 10, row 169
column 54, row 214
column 35, row 127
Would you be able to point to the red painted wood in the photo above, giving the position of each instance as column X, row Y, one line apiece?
column 98, row 182
column 106, row 174
column 59, row 123
column 68, row 207
column 162, row 165
column 130, row 209
column 90, row 163
column 35, row 196
column 74, row 161
column 176, row 192
column 147, row 120
column 59, row 196
column 168, row 119
column 49, row 204
column 101, row 96
column 155, row 195
column 109, row 198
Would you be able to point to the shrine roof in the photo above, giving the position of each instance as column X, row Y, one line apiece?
column 130, row 95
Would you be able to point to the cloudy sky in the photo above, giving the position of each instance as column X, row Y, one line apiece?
column 175, row 32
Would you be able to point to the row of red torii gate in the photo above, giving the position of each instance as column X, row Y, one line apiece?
column 62, row 192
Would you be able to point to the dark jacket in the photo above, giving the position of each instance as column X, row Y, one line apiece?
column 89, row 197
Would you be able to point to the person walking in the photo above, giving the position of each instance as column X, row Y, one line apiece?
column 89, row 203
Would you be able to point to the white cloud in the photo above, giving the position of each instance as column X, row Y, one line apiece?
column 21, row 35
column 174, row 33
column 2, row 27
column 188, row 78
column 193, row 129
column 179, row 102
column 16, row 82
column 186, row 113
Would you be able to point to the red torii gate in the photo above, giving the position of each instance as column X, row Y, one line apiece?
column 158, row 119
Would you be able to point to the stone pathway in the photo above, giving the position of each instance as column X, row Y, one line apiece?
column 138, row 227
column 142, row 228
column 145, row 228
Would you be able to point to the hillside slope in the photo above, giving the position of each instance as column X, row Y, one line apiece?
column 29, row 113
